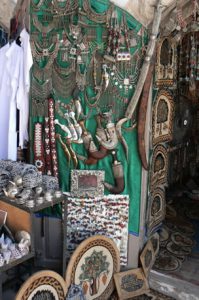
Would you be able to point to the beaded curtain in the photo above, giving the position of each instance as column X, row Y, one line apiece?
column 58, row 66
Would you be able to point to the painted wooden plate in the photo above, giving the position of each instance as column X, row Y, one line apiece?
column 147, row 258
column 92, row 265
column 181, row 239
column 167, row 263
column 178, row 250
column 155, row 241
column 131, row 283
column 43, row 285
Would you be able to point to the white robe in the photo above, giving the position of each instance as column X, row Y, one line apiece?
column 15, row 62
column 5, row 92
column 23, row 101
column 14, row 67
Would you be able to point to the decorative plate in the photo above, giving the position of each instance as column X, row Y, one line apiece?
column 43, row 285
column 92, row 265
column 163, row 234
column 130, row 283
column 147, row 258
column 155, row 243
column 167, row 263
column 178, row 250
column 181, row 239
column 186, row 228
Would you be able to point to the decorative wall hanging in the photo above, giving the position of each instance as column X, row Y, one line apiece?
column 147, row 258
column 92, row 265
column 163, row 114
column 86, row 183
column 157, row 208
column 159, row 166
column 130, row 283
column 43, row 285
column 155, row 243
column 165, row 69
column 106, row 215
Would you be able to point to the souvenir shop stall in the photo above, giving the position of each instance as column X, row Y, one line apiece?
column 81, row 76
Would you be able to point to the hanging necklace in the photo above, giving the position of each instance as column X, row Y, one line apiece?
column 63, row 71
column 63, row 85
column 45, row 55
column 45, row 29
column 93, row 16
column 65, row 8
column 39, row 160
column 41, row 74
column 48, row 161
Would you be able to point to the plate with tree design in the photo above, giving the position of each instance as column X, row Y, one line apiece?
column 92, row 265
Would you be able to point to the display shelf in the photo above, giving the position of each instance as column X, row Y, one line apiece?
column 21, row 217
column 36, row 208
column 16, row 262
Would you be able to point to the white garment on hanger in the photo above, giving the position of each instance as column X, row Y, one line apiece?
column 14, row 66
column 15, row 62
column 5, row 92
column 23, row 100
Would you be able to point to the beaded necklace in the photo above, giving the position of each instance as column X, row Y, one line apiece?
column 65, row 8
column 93, row 16
column 51, row 109
column 39, row 160
column 46, row 55
column 63, row 86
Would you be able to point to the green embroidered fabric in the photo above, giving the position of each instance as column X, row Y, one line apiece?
column 132, row 167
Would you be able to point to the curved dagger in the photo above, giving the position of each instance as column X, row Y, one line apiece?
column 142, row 115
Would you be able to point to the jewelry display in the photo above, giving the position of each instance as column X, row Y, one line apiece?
column 39, row 160
column 48, row 162
column 51, row 111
